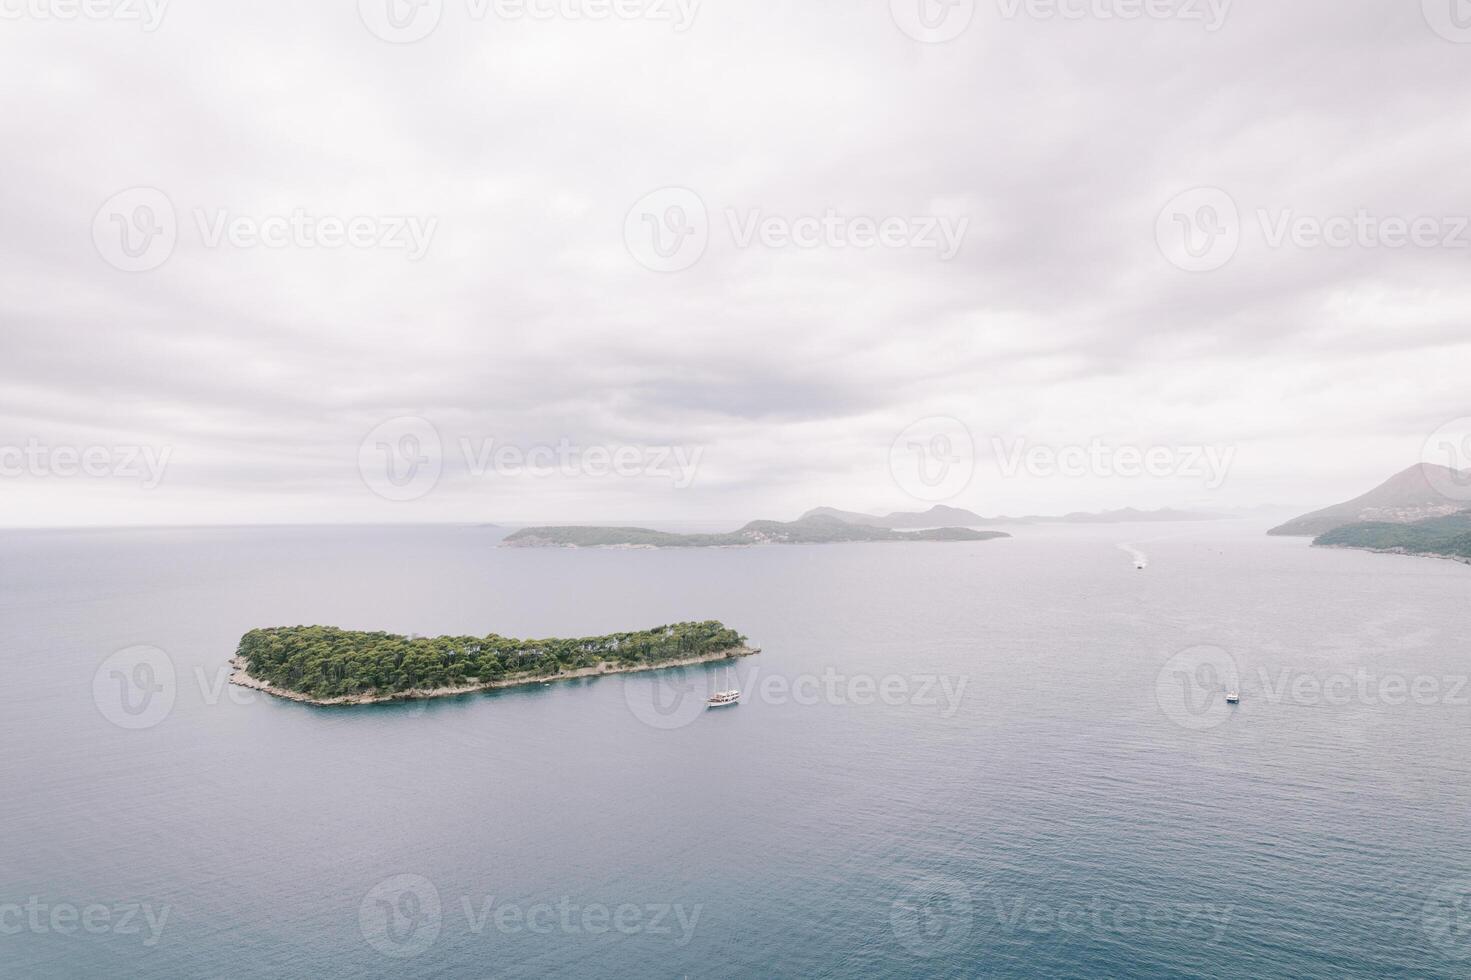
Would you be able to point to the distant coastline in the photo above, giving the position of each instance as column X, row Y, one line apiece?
column 1434, row 537
column 811, row 529
column 240, row 675
column 829, row 525
column 1404, row 552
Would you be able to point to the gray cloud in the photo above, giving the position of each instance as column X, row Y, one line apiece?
column 793, row 370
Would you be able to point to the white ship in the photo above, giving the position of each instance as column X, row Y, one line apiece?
column 730, row 695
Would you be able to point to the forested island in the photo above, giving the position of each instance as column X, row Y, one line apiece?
column 813, row 529
column 327, row 665
column 1437, row 537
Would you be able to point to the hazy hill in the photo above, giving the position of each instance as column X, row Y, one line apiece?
column 819, row 529
column 1413, row 495
column 1131, row 515
column 937, row 516
column 942, row 516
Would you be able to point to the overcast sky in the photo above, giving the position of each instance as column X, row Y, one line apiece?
column 1033, row 233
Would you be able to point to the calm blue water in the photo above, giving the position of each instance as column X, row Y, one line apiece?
column 1083, row 806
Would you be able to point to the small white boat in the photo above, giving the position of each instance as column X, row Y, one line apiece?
column 720, row 699
column 1233, row 697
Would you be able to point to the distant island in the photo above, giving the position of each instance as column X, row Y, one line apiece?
column 1129, row 515
column 812, row 529
column 329, row 666
column 1435, row 537
column 829, row 525
column 942, row 516
column 1412, row 495
column 937, row 516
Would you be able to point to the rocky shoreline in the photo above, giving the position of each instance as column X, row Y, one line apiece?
column 1398, row 551
column 242, row 677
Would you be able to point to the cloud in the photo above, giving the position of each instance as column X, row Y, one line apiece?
column 792, row 369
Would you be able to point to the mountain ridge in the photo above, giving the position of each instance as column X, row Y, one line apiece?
column 1411, row 495
column 939, row 515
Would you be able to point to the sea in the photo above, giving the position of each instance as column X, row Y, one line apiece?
column 1009, row 758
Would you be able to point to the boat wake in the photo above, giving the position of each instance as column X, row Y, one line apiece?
column 1141, row 560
